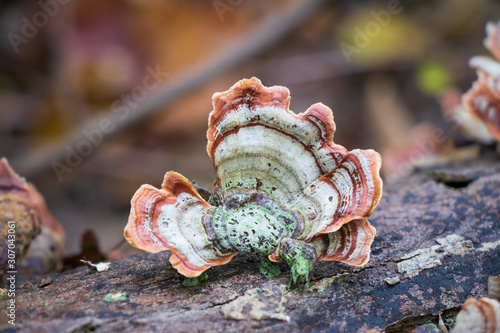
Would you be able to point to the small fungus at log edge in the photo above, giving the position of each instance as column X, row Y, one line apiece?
column 20, row 217
column 284, row 191
column 478, row 315
column 39, row 237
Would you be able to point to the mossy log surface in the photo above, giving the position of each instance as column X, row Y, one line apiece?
column 438, row 234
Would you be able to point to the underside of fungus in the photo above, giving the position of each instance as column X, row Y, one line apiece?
column 284, row 191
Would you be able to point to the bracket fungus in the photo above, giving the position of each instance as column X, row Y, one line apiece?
column 482, row 101
column 284, row 191
column 478, row 316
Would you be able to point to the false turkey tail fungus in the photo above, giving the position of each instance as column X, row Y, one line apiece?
column 284, row 191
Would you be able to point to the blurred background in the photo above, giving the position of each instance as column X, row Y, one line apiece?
column 99, row 97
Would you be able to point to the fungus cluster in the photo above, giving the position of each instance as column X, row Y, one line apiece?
column 482, row 101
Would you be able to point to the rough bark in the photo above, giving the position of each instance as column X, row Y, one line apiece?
column 438, row 234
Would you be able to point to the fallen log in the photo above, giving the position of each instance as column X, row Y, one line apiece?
column 437, row 244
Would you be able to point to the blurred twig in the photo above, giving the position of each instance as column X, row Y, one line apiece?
column 263, row 36
column 325, row 65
